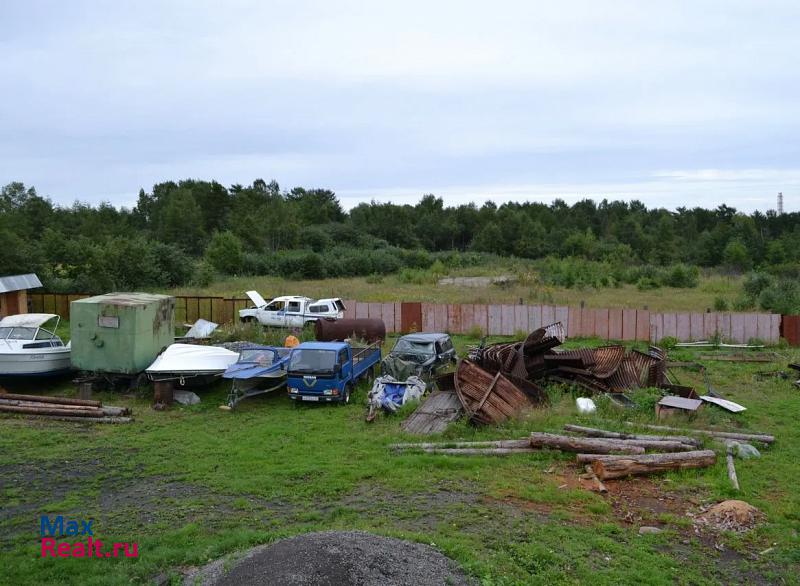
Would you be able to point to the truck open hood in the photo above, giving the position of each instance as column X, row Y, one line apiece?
column 256, row 298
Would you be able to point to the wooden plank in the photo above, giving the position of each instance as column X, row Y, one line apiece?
column 507, row 318
column 467, row 317
column 763, row 327
column 696, row 326
column 601, row 323
column 750, row 326
column 562, row 315
column 737, row 328
column 548, row 315
column 587, row 323
column 574, row 327
column 439, row 317
column 495, row 316
column 615, row 323
column 387, row 315
column 683, row 326
column 534, row 317
column 455, row 319
column 521, row 319
column 480, row 317
column 670, row 325
column 643, row 331
column 428, row 320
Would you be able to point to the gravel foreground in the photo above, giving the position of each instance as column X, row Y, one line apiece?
column 346, row 558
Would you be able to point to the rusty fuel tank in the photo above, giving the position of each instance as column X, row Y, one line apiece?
column 370, row 330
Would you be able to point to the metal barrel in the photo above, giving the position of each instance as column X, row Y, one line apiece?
column 330, row 330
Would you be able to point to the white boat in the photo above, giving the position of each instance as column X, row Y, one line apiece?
column 28, row 349
column 191, row 364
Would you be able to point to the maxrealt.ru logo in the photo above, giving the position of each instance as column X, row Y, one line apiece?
column 86, row 547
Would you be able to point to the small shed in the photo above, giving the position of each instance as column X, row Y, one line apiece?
column 14, row 293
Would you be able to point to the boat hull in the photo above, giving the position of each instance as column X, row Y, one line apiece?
column 42, row 362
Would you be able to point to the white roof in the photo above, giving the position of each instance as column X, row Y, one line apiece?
column 26, row 320
column 19, row 282
column 193, row 359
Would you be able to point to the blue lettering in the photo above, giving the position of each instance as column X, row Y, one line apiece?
column 52, row 529
column 72, row 527
column 87, row 527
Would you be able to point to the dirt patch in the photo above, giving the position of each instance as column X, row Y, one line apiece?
column 736, row 516
column 335, row 557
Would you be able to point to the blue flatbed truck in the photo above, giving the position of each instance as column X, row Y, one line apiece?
column 327, row 372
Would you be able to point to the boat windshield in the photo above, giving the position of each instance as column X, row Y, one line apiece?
column 312, row 361
column 261, row 356
column 17, row 333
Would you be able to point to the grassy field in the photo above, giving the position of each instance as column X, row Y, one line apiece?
column 391, row 288
column 196, row 483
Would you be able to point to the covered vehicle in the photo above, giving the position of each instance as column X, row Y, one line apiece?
column 291, row 311
column 425, row 352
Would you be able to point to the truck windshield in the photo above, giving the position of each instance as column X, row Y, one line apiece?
column 303, row 360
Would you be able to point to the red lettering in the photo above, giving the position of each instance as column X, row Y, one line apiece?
column 116, row 547
column 90, row 546
column 135, row 551
column 97, row 545
column 48, row 546
column 78, row 550
column 63, row 550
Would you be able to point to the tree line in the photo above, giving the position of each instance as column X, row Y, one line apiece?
column 191, row 231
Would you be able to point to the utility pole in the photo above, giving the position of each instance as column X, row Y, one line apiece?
column 780, row 203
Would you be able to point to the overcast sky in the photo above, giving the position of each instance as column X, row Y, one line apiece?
column 674, row 103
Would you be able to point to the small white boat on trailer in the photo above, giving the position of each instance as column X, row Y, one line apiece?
column 191, row 364
column 28, row 349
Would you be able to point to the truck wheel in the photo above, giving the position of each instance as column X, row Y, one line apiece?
column 247, row 320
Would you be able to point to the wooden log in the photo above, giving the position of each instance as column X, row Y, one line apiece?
column 521, row 443
column 601, row 488
column 479, row 451
column 80, row 419
column 580, row 444
column 589, row 458
column 48, row 399
column 592, row 432
column 755, row 437
column 652, row 463
column 108, row 410
column 88, row 412
column 732, row 469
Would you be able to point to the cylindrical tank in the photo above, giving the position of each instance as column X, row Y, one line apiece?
column 330, row 330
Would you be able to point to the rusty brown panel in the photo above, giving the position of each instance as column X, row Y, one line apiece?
column 642, row 325
column 439, row 317
column 601, row 323
column 775, row 327
column 615, row 324
column 410, row 317
column 398, row 317
column 587, row 323
column 507, row 317
column 790, row 329
column 683, row 326
column 628, row 324
column 427, row 317
column 574, row 322
column 455, row 323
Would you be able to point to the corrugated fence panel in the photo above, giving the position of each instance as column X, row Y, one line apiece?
column 724, row 325
column 427, row 318
column 480, row 317
column 601, row 323
column 574, row 326
column 790, row 329
column 467, row 317
column 710, row 325
column 750, row 326
column 763, row 327
column 656, row 327
column 669, row 325
column 643, row 325
column 507, row 317
column 439, row 317
column 362, row 310
column 628, row 324
column 534, row 317
column 696, row 326
column 737, row 328
column 398, row 317
column 375, row 310
column 548, row 315
column 562, row 315
column 615, row 324
column 775, row 327
column 495, row 324
column 455, row 319
column 683, row 327
column 387, row 315
column 521, row 318
column 587, row 323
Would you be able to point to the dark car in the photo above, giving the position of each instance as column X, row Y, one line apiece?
column 428, row 352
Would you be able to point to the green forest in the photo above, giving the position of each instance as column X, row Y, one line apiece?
column 192, row 232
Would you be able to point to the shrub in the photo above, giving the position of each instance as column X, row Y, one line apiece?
column 475, row 332
column 720, row 304
column 755, row 283
column 203, row 274
column 647, row 284
column 225, row 253
column 783, row 297
column 682, row 276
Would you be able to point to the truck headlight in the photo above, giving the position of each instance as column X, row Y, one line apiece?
column 327, row 392
column 293, row 390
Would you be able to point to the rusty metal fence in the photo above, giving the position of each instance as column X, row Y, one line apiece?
column 491, row 319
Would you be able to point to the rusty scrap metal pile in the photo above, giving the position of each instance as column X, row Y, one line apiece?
column 608, row 369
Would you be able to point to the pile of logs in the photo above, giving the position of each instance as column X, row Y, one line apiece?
column 607, row 454
column 62, row 408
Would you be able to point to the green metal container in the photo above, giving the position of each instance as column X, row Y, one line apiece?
column 120, row 333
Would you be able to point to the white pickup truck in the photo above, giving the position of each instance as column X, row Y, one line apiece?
column 290, row 311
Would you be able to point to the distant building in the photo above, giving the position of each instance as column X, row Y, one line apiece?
column 14, row 293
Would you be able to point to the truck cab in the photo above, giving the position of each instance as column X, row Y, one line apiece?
column 325, row 372
column 290, row 311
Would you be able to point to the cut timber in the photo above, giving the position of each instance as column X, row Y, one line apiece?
column 601, row 488
column 81, row 419
column 522, row 443
column 111, row 411
column 48, row 399
column 652, row 463
column 435, row 414
column 88, row 412
column 732, row 469
column 579, row 444
column 735, row 358
column 592, row 432
column 755, row 437
column 478, row 451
